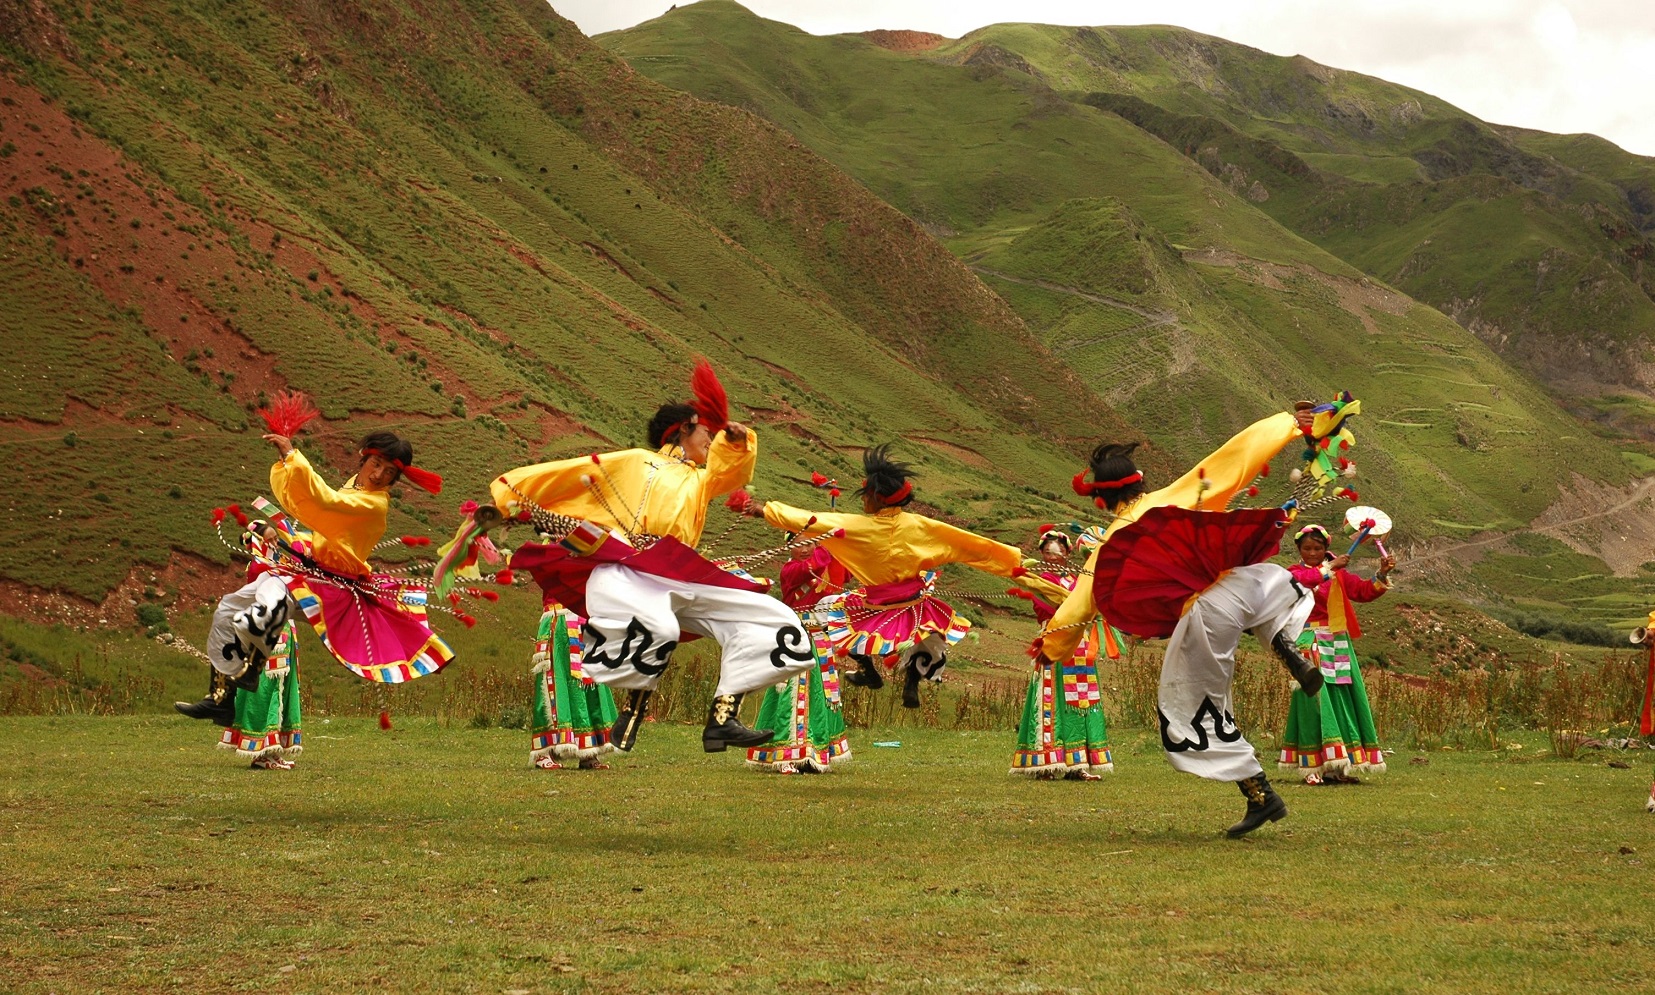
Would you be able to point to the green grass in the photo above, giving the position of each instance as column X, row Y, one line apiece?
column 318, row 222
column 432, row 858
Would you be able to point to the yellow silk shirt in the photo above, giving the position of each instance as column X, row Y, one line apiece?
column 345, row 524
column 658, row 493
column 1226, row 471
column 895, row 545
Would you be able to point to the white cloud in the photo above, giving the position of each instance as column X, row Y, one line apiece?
column 1556, row 65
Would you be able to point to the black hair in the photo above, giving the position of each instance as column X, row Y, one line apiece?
column 669, row 418
column 883, row 476
column 1112, row 461
column 393, row 447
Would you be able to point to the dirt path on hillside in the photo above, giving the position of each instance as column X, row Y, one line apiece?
column 1154, row 316
column 1643, row 490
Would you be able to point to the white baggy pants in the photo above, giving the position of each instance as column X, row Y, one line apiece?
column 1198, row 728
column 247, row 625
column 634, row 621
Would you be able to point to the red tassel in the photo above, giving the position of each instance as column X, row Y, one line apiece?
column 833, row 492
column 218, row 516
column 1019, row 571
column 1344, row 443
column 1252, row 491
column 1266, row 471
column 385, row 720
column 241, row 519
column 1201, row 473
column 817, row 479
column 838, row 533
column 503, row 577
column 416, row 540
column 489, row 595
column 594, row 462
column 739, row 501
column 288, row 412
column 467, row 507
column 468, row 620
column 235, row 509
column 453, row 597
column 711, row 403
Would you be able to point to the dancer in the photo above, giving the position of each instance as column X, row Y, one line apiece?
column 1063, row 731
column 895, row 620
column 1646, row 717
column 572, row 714
column 806, row 710
column 1331, row 735
column 373, row 623
column 627, row 562
column 1262, row 598
column 264, row 725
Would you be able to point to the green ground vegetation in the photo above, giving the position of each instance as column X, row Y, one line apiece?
column 1535, row 242
column 682, row 872
column 500, row 242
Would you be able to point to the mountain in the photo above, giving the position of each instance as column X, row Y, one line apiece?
column 1537, row 243
column 1155, row 272
column 465, row 222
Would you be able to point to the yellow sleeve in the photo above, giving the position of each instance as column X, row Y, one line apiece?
column 1053, row 593
column 973, row 550
column 791, row 519
column 302, row 493
column 547, row 484
column 1230, row 468
column 1064, row 629
column 730, row 464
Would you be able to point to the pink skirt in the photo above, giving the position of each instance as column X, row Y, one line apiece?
column 377, row 629
column 886, row 620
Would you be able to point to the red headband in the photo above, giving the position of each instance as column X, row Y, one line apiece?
column 423, row 479
column 1085, row 489
column 679, row 426
column 895, row 496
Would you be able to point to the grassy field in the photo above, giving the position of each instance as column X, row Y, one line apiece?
column 138, row 858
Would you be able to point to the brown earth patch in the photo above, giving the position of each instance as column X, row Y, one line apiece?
column 902, row 40
column 186, row 582
column 176, row 267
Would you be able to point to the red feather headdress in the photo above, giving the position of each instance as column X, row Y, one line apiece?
column 288, row 412
column 711, row 403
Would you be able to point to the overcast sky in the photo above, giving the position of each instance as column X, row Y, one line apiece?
column 1556, row 65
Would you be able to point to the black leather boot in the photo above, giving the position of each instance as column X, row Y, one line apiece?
column 910, row 686
column 1263, row 805
column 724, row 729
column 867, row 674
column 623, row 735
column 218, row 706
column 1304, row 671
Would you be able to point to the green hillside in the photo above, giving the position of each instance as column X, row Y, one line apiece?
column 1157, row 279
column 1534, row 242
column 466, row 222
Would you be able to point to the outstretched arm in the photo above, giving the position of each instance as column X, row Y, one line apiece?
column 546, row 484
column 1219, row 477
column 302, row 493
column 730, row 460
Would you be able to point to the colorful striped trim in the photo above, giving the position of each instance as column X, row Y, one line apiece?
column 432, row 657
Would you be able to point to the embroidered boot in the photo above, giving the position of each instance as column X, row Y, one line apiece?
column 1263, row 805
column 1304, row 671
column 867, row 675
column 218, row 706
column 724, row 729
column 623, row 735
